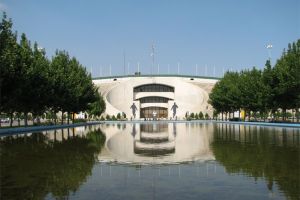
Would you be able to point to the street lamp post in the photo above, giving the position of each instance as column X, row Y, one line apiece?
column 269, row 47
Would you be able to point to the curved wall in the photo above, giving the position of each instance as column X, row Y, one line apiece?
column 191, row 95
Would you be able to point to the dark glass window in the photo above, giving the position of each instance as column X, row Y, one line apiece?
column 154, row 88
column 154, row 100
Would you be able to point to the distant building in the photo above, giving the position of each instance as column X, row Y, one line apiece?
column 155, row 95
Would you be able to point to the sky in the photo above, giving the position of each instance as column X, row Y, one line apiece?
column 190, row 37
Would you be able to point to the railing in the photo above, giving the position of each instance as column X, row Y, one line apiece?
column 155, row 75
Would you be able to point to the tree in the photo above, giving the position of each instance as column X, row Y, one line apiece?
column 268, row 81
column 192, row 115
column 225, row 94
column 113, row 118
column 59, row 94
column 201, row 116
column 10, row 71
column 287, row 78
column 119, row 116
column 252, row 91
column 25, row 91
column 39, row 82
column 98, row 107
column 206, row 116
column 29, row 83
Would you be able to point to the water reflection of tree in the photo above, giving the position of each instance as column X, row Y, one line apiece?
column 256, row 152
column 34, row 166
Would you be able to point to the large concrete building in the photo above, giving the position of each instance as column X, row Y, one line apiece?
column 156, row 96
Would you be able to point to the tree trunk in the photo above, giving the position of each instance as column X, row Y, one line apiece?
column 73, row 116
column 285, row 115
column 68, row 116
column 11, row 119
column 297, row 115
column 62, row 117
column 26, row 119
column 55, row 117
column 222, row 116
column 249, row 115
column 38, row 119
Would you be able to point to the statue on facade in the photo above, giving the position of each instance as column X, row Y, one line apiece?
column 134, row 109
column 174, row 108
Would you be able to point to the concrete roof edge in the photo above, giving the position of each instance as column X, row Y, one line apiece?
column 155, row 75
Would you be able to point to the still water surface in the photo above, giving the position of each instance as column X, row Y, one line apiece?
column 152, row 161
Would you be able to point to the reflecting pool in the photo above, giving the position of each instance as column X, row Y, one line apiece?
column 152, row 161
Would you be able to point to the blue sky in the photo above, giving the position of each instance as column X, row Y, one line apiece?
column 220, row 35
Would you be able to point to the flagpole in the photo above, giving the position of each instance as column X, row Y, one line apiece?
column 152, row 54
column 269, row 47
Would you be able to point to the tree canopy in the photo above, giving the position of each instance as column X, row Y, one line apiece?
column 32, row 83
column 264, row 90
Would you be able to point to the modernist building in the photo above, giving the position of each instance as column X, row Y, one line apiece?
column 156, row 96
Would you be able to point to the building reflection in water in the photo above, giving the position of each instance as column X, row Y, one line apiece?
column 154, row 140
column 156, row 143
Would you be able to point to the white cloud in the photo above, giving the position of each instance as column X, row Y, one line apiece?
column 3, row 7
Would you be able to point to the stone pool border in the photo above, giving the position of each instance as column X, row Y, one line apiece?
column 11, row 131
column 283, row 125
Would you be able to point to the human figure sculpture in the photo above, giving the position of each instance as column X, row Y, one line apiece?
column 133, row 131
column 174, row 108
column 134, row 109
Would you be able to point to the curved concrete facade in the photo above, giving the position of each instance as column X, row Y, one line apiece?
column 189, row 93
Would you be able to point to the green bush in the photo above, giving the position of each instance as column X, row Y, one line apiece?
column 119, row 116
column 113, row 118
column 201, row 115
column 108, row 117
column 192, row 115
column 206, row 116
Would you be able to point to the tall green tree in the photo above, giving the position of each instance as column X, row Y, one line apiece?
column 10, row 72
column 98, row 107
column 25, row 61
column 287, row 78
column 39, row 81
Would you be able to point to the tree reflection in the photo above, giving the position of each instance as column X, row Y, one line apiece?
column 34, row 166
column 261, row 152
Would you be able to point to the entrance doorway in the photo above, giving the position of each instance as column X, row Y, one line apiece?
column 148, row 112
